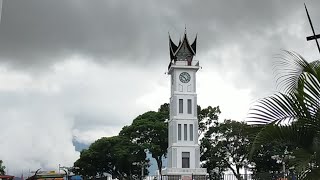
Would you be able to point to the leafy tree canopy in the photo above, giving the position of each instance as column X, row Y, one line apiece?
column 150, row 132
column 116, row 155
column 207, row 117
column 226, row 146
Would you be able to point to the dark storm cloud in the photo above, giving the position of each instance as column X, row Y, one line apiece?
column 37, row 32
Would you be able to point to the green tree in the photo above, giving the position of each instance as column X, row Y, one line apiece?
column 116, row 155
column 226, row 146
column 86, row 164
column 268, row 160
column 2, row 168
column 293, row 115
column 150, row 132
column 207, row 118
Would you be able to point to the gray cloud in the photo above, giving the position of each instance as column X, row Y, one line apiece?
column 42, row 115
column 110, row 30
column 39, row 33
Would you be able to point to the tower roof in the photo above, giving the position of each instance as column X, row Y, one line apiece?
column 174, row 49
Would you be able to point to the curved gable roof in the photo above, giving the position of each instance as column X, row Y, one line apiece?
column 174, row 49
column 185, row 40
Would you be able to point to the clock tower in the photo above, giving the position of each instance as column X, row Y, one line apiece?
column 183, row 147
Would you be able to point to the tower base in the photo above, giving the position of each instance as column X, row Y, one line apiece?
column 184, row 173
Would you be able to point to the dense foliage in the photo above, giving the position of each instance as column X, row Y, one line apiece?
column 293, row 114
column 225, row 146
column 116, row 155
column 150, row 131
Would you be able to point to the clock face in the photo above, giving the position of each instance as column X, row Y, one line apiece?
column 184, row 77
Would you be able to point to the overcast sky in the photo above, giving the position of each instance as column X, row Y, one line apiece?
column 80, row 70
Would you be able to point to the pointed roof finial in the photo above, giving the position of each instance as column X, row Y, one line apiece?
column 185, row 28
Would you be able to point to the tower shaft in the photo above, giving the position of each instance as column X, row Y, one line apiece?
column 183, row 147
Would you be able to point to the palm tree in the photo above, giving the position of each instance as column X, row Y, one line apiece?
column 292, row 115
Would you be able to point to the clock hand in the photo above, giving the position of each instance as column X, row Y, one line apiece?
column 185, row 78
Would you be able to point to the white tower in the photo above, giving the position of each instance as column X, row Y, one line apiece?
column 183, row 148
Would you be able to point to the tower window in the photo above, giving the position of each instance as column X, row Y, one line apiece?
column 179, row 132
column 189, row 106
column 185, row 159
column 185, row 129
column 180, row 105
column 191, row 132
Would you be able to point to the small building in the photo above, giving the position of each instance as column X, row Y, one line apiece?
column 6, row 177
column 47, row 175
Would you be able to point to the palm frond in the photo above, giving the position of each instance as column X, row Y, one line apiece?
column 280, row 108
column 289, row 70
column 293, row 134
column 293, row 114
column 301, row 160
column 274, row 109
column 310, row 174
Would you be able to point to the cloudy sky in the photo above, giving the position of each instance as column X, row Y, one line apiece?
column 78, row 70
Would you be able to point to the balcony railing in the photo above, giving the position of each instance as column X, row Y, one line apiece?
column 184, row 63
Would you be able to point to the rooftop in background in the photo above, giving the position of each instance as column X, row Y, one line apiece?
column 6, row 177
column 46, row 175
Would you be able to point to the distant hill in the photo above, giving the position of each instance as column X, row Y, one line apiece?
column 17, row 178
column 79, row 146
column 153, row 165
